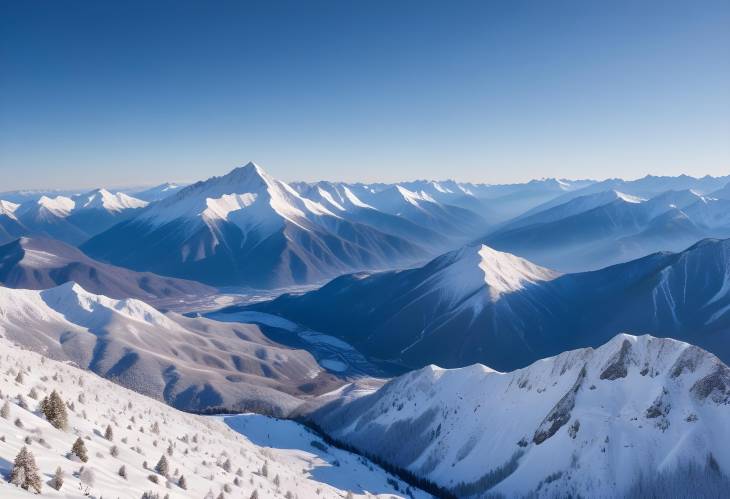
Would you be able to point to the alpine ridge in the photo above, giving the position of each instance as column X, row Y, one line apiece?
column 615, row 421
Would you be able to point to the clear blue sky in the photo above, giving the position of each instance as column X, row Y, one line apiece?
column 125, row 92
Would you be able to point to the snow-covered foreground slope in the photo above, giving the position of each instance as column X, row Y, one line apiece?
column 212, row 456
column 585, row 423
column 191, row 363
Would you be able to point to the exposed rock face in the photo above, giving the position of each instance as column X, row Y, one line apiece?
column 560, row 414
column 618, row 367
column 715, row 385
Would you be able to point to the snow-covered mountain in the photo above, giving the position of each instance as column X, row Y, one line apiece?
column 481, row 305
column 42, row 263
column 191, row 363
column 158, row 192
column 637, row 417
column 596, row 230
column 75, row 219
column 645, row 187
column 573, row 207
column 10, row 226
column 722, row 193
column 246, row 228
column 125, row 436
column 340, row 199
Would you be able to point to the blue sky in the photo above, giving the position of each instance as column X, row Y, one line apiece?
column 118, row 93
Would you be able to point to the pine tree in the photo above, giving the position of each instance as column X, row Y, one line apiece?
column 265, row 469
column 25, row 471
column 182, row 483
column 79, row 449
column 19, row 378
column 254, row 494
column 109, row 434
column 163, row 467
column 227, row 465
column 54, row 409
column 5, row 410
column 122, row 472
column 57, row 480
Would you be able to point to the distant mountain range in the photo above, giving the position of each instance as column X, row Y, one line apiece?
column 637, row 417
column 41, row 263
column 69, row 219
column 596, row 230
column 250, row 230
column 481, row 305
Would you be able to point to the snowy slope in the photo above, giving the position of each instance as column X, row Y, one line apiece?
column 722, row 193
column 158, row 192
column 191, row 363
column 200, row 448
column 101, row 199
column 10, row 226
column 584, row 423
column 473, row 304
column 75, row 219
column 247, row 228
column 645, row 187
column 572, row 207
column 41, row 263
column 7, row 208
column 606, row 228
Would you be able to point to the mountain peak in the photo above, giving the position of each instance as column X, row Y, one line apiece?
column 7, row 208
column 105, row 200
column 480, row 266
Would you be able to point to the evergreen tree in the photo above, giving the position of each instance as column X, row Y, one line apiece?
column 163, row 467
column 25, row 471
column 122, row 472
column 79, row 449
column 254, row 494
column 54, row 409
column 5, row 410
column 57, row 480
column 182, row 483
column 109, row 434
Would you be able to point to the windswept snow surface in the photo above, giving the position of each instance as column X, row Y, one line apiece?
column 585, row 423
column 214, row 454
